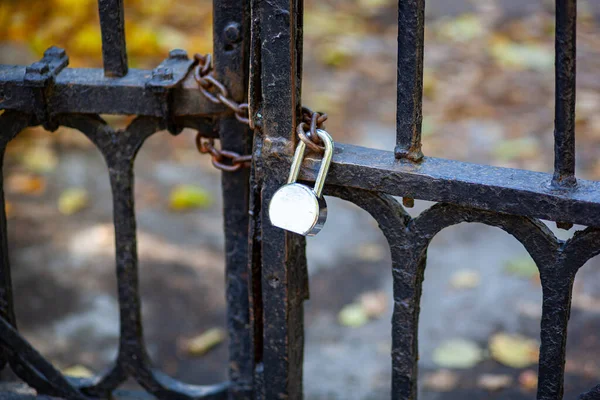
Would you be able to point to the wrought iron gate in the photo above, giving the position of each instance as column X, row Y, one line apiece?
column 258, row 50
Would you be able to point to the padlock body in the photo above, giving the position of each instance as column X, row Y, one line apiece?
column 296, row 208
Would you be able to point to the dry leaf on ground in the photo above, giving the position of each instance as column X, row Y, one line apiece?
column 457, row 353
column 353, row 316
column 374, row 303
column 523, row 267
column 26, row 184
column 73, row 200
column 8, row 209
column 371, row 252
column 203, row 343
column 185, row 197
column 78, row 371
column 528, row 380
column 40, row 159
column 493, row 382
column 514, row 351
column 465, row 279
column 441, row 381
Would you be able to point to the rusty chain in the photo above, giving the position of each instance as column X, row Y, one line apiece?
column 217, row 93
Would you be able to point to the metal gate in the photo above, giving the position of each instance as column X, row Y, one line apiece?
column 258, row 52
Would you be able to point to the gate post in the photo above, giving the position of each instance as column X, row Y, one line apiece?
column 231, row 38
column 278, row 265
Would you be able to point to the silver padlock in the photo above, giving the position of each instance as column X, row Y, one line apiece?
column 296, row 207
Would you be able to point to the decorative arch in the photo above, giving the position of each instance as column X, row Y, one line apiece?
column 409, row 239
column 119, row 149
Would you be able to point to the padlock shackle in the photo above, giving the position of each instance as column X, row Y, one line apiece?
column 325, row 162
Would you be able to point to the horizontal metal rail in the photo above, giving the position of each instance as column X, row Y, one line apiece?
column 88, row 91
column 507, row 190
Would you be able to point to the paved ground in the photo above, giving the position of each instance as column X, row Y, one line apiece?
column 64, row 286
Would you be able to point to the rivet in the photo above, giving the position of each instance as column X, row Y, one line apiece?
column 232, row 33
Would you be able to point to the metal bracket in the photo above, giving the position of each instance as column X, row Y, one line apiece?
column 40, row 77
column 168, row 75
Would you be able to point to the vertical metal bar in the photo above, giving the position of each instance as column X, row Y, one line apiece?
column 231, row 27
column 112, row 25
column 556, row 307
column 409, row 115
column 565, row 70
column 11, row 123
column 283, row 261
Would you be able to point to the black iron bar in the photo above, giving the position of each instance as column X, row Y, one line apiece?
column 506, row 190
column 564, row 129
column 409, row 114
column 112, row 24
column 88, row 91
column 231, row 40
column 283, row 262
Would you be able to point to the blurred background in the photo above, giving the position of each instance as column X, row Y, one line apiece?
column 488, row 98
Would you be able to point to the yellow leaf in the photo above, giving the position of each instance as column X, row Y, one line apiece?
column 76, row 9
column 201, row 344
column 40, row 159
column 72, row 201
column 87, row 41
column 142, row 39
column 514, row 351
column 78, row 371
column 353, row 316
column 462, row 29
column 524, row 148
column 187, row 197
column 457, row 353
column 465, row 279
column 8, row 209
column 523, row 267
column 515, row 55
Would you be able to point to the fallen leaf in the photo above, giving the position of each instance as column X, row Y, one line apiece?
column 336, row 56
column 457, row 353
column 370, row 252
column 185, row 197
column 514, row 351
column 429, row 126
column 462, row 29
column 353, row 316
column 201, row 344
column 40, row 159
column 8, row 209
column 374, row 303
column 515, row 55
column 523, row 267
column 517, row 149
column 530, row 309
column 465, row 279
column 72, row 201
column 78, row 371
column 493, row 383
column 26, row 184
column 528, row 380
column 440, row 381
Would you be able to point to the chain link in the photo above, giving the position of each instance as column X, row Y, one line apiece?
column 217, row 93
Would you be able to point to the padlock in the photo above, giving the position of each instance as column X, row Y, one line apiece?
column 296, row 207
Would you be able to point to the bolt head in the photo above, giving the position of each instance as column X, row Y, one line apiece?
column 178, row 54
column 233, row 33
column 163, row 74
